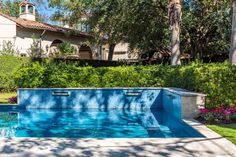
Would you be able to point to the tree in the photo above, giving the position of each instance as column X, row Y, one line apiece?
column 144, row 25
column 102, row 16
column 232, row 56
column 205, row 25
column 205, row 28
column 175, row 14
column 1, row 6
column 10, row 8
column 140, row 23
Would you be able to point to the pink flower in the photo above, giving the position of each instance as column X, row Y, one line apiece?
column 13, row 100
column 226, row 112
column 204, row 110
column 232, row 109
column 222, row 106
column 218, row 110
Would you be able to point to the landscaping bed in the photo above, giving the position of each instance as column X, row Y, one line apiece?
column 4, row 97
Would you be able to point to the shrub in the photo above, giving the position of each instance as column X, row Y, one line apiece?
column 216, row 80
column 66, row 49
column 30, row 76
column 8, row 65
column 6, row 83
column 121, row 77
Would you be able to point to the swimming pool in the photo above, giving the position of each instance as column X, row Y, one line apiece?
column 121, row 114
column 93, row 124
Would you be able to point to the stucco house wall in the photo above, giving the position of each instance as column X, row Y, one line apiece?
column 121, row 51
column 20, row 33
column 5, row 34
column 24, row 39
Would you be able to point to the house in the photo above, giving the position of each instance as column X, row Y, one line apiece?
column 22, row 31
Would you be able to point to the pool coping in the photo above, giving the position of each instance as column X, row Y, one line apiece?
column 174, row 90
column 213, row 145
column 203, row 129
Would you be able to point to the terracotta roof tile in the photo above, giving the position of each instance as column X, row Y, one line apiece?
column 44, row 26
column 26, row 2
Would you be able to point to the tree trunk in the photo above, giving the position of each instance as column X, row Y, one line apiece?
column 111, row 51
column 174, row 19
column 232, row 55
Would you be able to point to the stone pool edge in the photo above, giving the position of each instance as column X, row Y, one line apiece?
column 213, row 145
column 212, row 135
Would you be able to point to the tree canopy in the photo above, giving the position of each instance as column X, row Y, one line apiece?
column 205, row 24
column 206, row 27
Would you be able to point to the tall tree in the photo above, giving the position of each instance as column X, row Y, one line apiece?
column 232, row 56
column 144, row 25
column 205, row 28
column 140, row 23
column 175, row 14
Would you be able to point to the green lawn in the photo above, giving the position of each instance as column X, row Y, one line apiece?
column 228, row 131
column 4, row 97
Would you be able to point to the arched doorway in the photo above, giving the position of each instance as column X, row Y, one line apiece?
column 85, row 52
column 54, row 47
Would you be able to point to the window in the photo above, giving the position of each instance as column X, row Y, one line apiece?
column 31, row 9
column 83, row 27
column 23, row 9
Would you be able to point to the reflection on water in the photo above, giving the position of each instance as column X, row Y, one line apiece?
column 93, row 124
column 8, row 123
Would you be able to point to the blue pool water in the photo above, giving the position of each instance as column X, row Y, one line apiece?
column 93, row 123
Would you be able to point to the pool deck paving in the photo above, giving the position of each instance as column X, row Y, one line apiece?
column 212, row 146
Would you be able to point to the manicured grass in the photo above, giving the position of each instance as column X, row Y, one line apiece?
column 4, row 97
column 228, row 131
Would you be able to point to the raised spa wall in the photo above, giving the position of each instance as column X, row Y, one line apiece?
column 180, row 103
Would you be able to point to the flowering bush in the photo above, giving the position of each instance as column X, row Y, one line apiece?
column 221, row 114
column 13, row 100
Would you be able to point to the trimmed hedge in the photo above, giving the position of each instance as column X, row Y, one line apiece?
column 8, row 64
column 216, row 80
